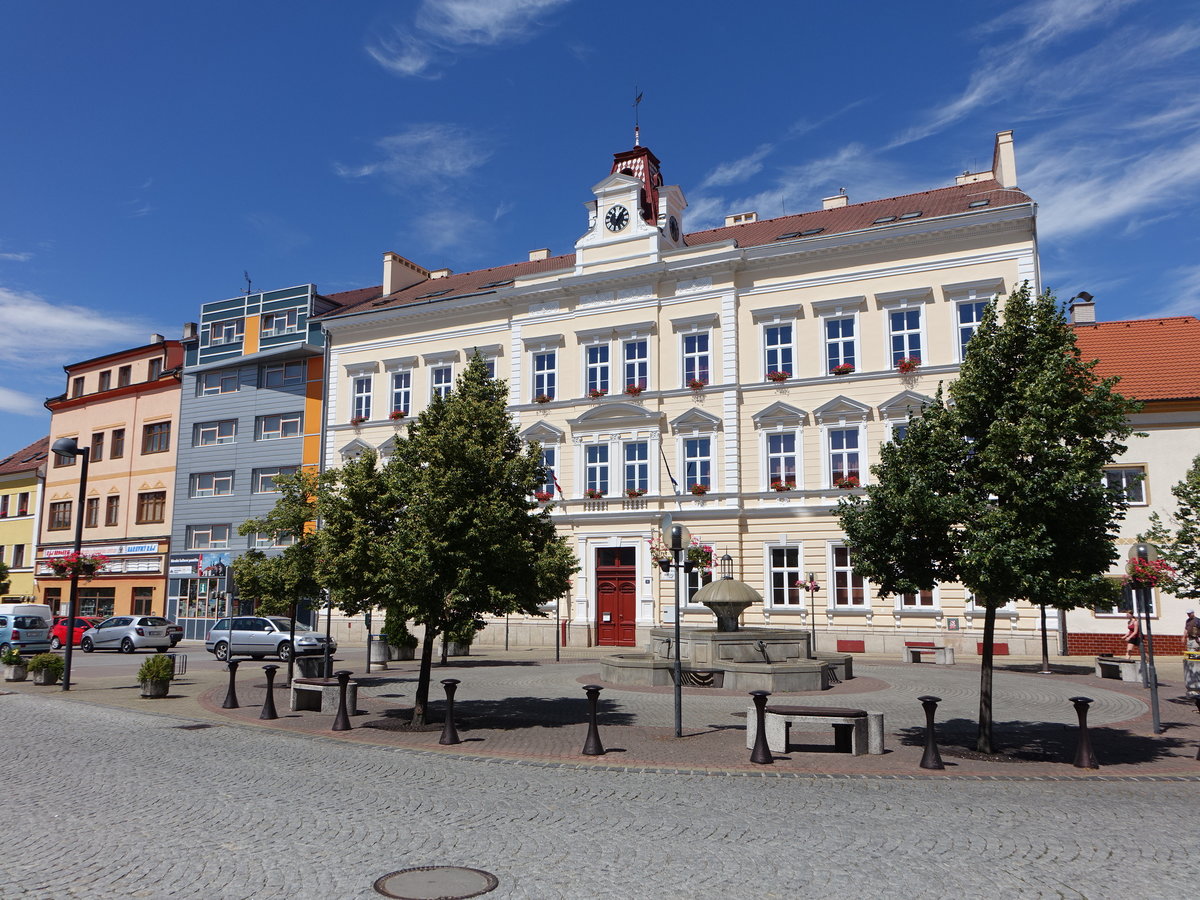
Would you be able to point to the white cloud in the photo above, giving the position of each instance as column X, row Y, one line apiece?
column 1182, row 295
column 441, row 29
column 39, row 332
column 16, row 257
column 428, row 154
column 21, row 404
column 738, row 170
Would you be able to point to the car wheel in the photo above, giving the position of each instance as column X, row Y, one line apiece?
column 86, row 645
column 55, row 643
column 4, row 648
column 285, row 651
column 221, row 651
column 127, row 646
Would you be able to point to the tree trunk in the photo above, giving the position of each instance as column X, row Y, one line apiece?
column 983, row 742
column 1045, row 644
column 422, row 698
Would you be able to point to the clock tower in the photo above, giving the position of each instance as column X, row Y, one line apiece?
column 634, row 213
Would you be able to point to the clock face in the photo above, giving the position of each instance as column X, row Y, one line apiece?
column 617, row 218
column 673, row 225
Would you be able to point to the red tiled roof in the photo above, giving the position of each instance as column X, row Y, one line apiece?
column 1156, row 359
column 929, row 204
column 26, row 459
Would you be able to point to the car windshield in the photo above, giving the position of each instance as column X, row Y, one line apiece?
column 29, row 622
column 285, row 625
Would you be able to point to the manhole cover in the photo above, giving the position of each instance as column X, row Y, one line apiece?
column 436, row 883
column 195, row 727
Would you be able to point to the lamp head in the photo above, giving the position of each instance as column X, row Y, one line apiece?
column 67, row 446
column 1144, row 551
column 726, row 566
column 679, row 537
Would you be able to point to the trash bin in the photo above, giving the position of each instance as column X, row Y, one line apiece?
column 379, row 651
column 1191, row 672
column 314, row 666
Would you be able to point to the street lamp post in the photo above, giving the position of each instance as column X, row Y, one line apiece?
column 677, row 538
column 1142, row 595
column 70, row 447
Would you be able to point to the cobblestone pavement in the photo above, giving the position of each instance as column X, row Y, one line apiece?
column 231, row 811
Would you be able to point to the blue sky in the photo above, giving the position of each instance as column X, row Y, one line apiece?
column 153, row 152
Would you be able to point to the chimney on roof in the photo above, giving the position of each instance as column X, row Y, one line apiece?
column 399, row 273
column 741, row 218
column 837, row 201
column 1083, row 309
column 543, row 253
column 189, row 331
column 441, row 273
column 1004, row 160
column 156, row 338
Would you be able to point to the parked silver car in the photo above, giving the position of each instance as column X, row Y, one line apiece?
column 127, row 634
column 261, row 636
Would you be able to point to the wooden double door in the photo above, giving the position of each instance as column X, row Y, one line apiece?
column 616, row 597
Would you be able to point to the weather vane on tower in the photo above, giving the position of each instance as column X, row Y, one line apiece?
column 637, row 129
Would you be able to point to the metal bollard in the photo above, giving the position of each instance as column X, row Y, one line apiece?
column 341, row 722
column 1084, row 758
column 932, row 759
column 592, row 746
column 231, row 693
column 761, row 753
column 449, row 732
column 268, row 710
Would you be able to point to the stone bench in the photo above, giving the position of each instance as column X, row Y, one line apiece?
column 1119, row 667
column 855, row 731
column 321, row 695
column 942, row 656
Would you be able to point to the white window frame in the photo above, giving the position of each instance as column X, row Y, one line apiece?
column 545, row 381
column 965, row 294
column 211, row 484
column 284, row 374
column 362, row 389
column 840, row 308
column 550, row 462
column 264, row 541
column 934, row 606
column 696, row 364
column 227, row 331
column 912, row 338
column 260, row 477
column 217, row 428
column 796, row 454
column 597, row 467
column 221, row 381
column 597, row 367
column 835, row 570
column 1122, row 470
column 639, row 469
column 278, row 426
column 906, row 301
column 686, row 458
column 859, row 450
column 788, row 583
column 208, row 537
column 278, row 323
column 441, row 380
column 401, row 385
column 779, row 356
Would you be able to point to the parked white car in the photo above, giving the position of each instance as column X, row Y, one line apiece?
column 262, row 636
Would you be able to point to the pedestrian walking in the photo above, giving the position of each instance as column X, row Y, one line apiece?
column 1191, row 631
column 1133, row 634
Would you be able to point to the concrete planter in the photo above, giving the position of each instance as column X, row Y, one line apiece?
column 45, row 676
column 312, row 666
column 156, row 689
column 454, row 648
column 16, row 673
column 401, row 651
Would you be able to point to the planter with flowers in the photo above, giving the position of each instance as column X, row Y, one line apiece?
column 543, row 496
column 843, row 369
column 699, row 489
column 847, row 482
column 782, row 486
column 908, row 365
column 86, row 565
column 397, row 414
column 698, row 554
column 1150, row 573
column 633, row 389
column 634, row 493
column 542, row 398
column 778, row 377
column 15, row 666
column 357, row 420
column 697, row 384
column 594, row 494
column 597, row 393
column 155, row 676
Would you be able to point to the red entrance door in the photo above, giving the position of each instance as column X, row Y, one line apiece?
column 616, row 597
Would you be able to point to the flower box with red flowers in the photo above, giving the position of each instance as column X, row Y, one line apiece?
column 634, row 493
column 843, row 369
column 850, row 481
column 357, row 420
column 633, row 389
column 397, row 414
column 908, row 364
column 542, row 398
column 86, row 565
column 699, row 489
column 1150, row 573
column 697, row 384
column 594, row 494
column 597, row 393
column 778, row 377
column 782, row 486
column 543, row 496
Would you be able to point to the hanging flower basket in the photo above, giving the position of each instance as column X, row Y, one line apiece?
column 850, row 481
column 594, row 494
column 843, row 369
column 699, row 489
column 634, row 493
column 543, row 496
column 698, row 554
column 597, row 393
column 1150, row 573
column 697, row 384
column 542, row 398
column 633, row 389
column 810, row 587
column 397, row 414
column 782, row 486
column 908, row 365
column 778, row 377
column 87, row 565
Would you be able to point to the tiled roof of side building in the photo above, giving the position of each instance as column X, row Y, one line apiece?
column 1156, row 359
column 27, row 459
column 854, row 217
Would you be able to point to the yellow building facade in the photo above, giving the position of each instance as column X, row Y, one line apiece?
column 739, row 380
column 21, row 476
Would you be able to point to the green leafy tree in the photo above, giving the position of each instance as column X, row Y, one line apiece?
column 278, row 584
column 3, row 578
column 1178, row 537
column 471, row 541
column 1001, row 489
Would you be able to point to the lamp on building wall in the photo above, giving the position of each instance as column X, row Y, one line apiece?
column 677, row 539
column 70, row 447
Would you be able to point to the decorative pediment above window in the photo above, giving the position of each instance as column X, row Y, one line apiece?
column 487, row 351
column 542, row 343
column 903, row 299
column 543, row 432
column 440, row 358
column 354, row 449
column 595, row 335
column 842, row 306
column 696, row 323
column 694, row 421
column 903, row 405
column 779, row 415
column 355, row 370
column 984, row 289
column 778, row 314
column 608, row 416
column 387, row 448
column 841, row 410
column 399, row 363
